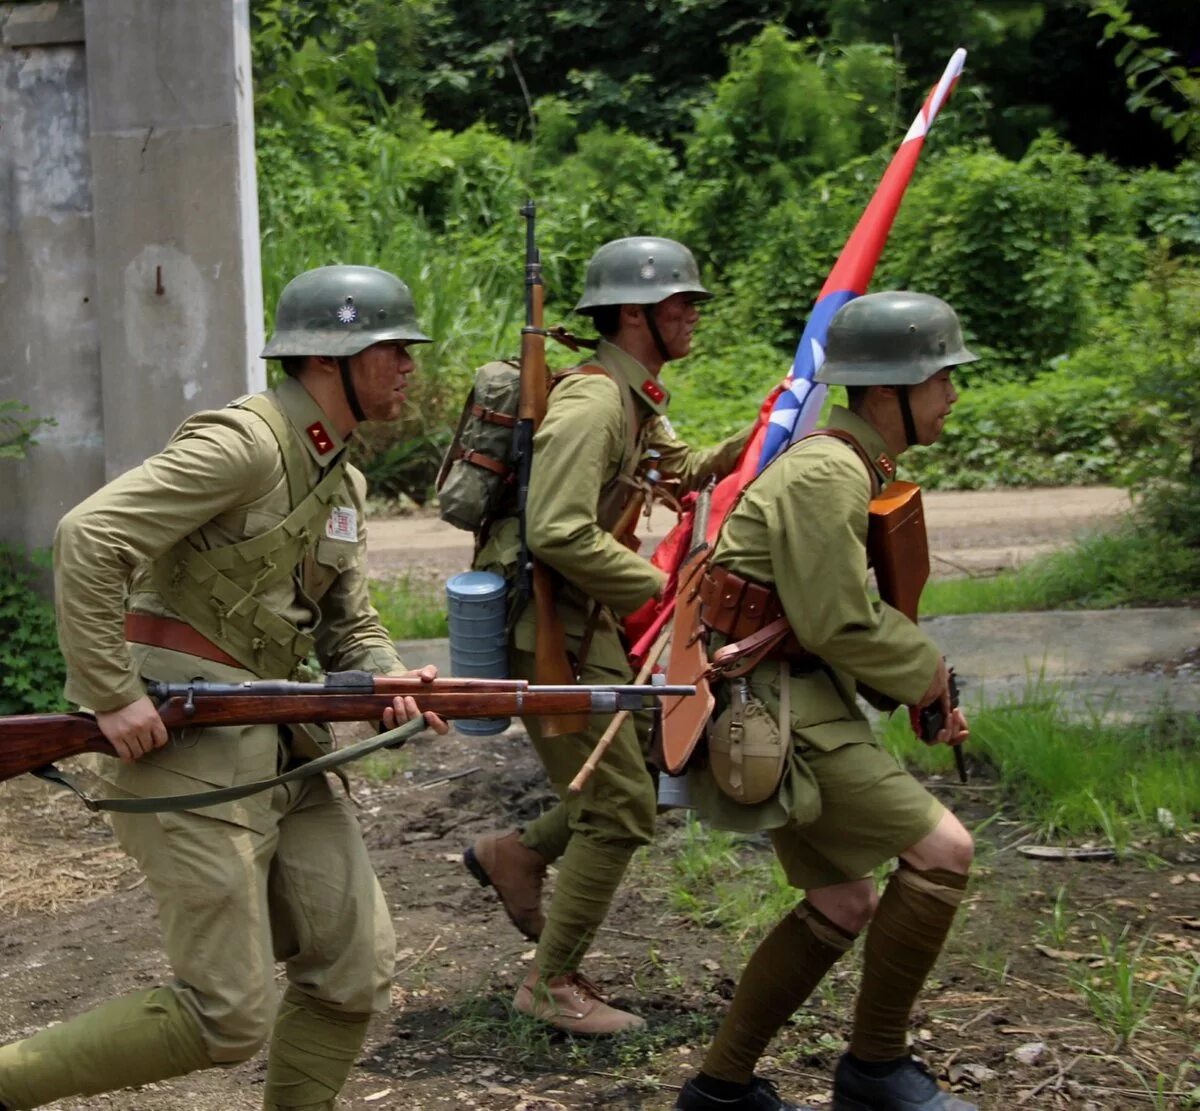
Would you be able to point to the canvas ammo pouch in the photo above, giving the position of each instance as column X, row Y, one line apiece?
column 476, row 474
column 749, row 748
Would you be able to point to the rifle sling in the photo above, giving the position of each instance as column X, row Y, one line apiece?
column 162, row 804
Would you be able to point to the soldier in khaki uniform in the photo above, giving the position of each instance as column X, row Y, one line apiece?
column 843, row 806
column 642, row 294
column 230, row 555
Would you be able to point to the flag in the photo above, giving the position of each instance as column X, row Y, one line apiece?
column 790, row 410
column 794, row 413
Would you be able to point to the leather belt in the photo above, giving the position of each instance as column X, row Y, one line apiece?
column 738, row 609
column 178, row 636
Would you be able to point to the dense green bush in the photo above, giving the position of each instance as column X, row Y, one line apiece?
column 32, row 672
column 1038, row 254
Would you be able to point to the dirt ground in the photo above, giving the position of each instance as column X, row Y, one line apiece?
column 1004, row 1021
column 78, row 928
column 970, row 532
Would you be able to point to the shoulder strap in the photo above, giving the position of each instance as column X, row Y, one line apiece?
column 293, row 463
column 859, row 450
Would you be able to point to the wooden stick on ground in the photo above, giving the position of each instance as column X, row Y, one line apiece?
column 589, row 765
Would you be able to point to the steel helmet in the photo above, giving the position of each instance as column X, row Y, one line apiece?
column 896, row 338
column 340, row 310
column 640, row 270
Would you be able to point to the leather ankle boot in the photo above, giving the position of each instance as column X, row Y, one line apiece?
column 907, row 1087
column 760, row 1095
column 499, row 860
column 572, row 1003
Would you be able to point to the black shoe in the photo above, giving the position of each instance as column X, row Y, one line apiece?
column 908, row 1087
column 760, row 1096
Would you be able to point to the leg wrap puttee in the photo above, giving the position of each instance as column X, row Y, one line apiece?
column 904, row 939
column 130, row 1041
column 313, row 1049
column 781, row 974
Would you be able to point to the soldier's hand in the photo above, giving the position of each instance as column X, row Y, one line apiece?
column 133, row 730
column 939, row 692
column 956, row 730
column 404, row 707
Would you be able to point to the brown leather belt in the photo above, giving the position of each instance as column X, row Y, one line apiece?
column 178, row 636
column 738, row 608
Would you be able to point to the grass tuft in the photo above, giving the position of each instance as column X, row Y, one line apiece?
column 1131, row 566
column 409, row 608
column 1077, row 777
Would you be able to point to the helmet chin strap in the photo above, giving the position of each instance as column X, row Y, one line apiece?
column 348, row 389
column 648, row 311
column 910, row 427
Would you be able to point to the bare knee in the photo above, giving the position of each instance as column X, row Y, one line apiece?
column 848, row 905
column 949, row 846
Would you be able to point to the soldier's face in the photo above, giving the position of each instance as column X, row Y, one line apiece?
column 676, row 318
column 931, row 402
column 380, row 375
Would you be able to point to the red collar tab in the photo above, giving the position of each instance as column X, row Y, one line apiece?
column 886, row 465
column 320, row 438
column 653, row 390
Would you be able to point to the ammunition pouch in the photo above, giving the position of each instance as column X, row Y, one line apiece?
column 748, row 749
column 751, row 616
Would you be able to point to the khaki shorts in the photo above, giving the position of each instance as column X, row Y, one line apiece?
column 871, row 811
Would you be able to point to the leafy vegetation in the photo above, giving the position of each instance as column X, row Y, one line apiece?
column 398, row 134
column 32, row 672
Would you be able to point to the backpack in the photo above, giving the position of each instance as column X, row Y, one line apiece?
column 476, row 476
column 475, row 483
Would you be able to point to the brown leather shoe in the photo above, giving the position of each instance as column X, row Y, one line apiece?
column 572, row 1003
column 499, row 860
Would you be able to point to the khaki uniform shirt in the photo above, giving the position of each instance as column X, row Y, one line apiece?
column 801, row 526
column 219, row 480
column 578, row 451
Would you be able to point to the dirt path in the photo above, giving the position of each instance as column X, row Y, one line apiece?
column 78, row 927
column 969, row 531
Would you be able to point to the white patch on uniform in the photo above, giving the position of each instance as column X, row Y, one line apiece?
column 666, row 426
column 347, row 314
column 342, row 523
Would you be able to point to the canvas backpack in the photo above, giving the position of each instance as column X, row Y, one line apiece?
column 475, row 483
column 476, row 475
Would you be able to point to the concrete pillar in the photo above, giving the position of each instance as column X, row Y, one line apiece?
column 49, row 353
column 178, row 286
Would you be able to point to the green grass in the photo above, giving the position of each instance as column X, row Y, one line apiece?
column 1073, row 777
column 1131, row 566
column 410, row 609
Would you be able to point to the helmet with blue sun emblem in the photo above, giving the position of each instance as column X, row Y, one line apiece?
column 340, row 310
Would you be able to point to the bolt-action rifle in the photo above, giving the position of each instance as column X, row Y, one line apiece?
column 29, row 742
column 551, row 664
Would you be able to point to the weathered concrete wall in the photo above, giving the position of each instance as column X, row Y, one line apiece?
column 130, row 288
column 179, row 292
column 49, row 350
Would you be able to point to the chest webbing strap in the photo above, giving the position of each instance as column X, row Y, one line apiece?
column 617, row 490
column 215, row 590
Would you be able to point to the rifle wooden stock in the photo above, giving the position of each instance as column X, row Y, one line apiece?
column 551, row 663
column 30, row 741
column 531, row 405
